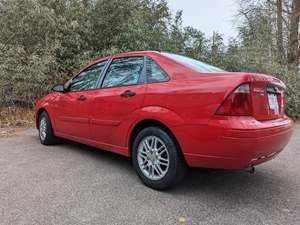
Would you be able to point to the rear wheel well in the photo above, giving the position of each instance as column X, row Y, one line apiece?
column 149, row 123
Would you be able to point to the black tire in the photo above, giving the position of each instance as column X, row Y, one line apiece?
column 177, row 166
column 48, row 138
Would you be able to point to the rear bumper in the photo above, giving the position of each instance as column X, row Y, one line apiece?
column 233, row 142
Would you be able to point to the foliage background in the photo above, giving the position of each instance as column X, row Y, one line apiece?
column 43, row 42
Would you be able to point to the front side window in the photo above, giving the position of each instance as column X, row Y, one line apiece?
column 154, row 73
column 87, row 80
column 193, row 63
column 124, row 72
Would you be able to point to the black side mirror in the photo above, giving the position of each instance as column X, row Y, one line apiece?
column 59, row 88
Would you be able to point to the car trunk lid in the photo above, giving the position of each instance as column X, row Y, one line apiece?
column 267, row 92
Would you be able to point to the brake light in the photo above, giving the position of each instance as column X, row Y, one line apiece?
column 238, row 103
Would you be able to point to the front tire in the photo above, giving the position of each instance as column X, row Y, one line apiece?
column 45, row 130
column 157, row 158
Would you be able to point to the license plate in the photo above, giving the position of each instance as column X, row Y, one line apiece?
column 273, row 102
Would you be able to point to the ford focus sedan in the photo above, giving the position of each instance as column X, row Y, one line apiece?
column 168, row 112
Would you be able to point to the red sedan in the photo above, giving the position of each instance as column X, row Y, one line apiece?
column 167, row 112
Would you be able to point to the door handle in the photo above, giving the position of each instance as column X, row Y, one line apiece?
column 128, row 94
column 81, row 98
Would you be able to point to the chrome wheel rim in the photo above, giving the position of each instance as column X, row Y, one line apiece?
column 43, row 128
column 153, row 158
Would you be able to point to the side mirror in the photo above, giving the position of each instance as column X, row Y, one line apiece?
column 59, row 88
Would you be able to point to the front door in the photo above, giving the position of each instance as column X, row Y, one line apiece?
column 74, row 106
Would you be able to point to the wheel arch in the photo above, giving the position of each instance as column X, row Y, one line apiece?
column 139, row 126
column 38, row 114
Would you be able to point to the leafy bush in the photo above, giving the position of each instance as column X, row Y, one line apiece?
column 44, row 42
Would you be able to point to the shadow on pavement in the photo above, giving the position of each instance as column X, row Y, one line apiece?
column 228, row 185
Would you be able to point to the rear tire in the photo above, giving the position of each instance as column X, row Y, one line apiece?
column 45, row 130
column 157, row 158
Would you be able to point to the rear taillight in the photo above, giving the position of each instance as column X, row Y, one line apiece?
column 238, row 103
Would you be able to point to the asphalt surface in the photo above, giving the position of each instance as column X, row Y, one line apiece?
column 74, row 184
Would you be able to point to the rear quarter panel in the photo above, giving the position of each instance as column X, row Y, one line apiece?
column 194, row 101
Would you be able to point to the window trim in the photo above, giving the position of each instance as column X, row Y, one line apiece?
column 147, row 75
column 142, row 78
column 98, row 79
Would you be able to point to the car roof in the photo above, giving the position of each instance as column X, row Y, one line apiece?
column 133, row 53
column 136, row 53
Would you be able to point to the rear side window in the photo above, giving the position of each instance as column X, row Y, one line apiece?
column 87, row 79
column 154, row 73
column 124, row 72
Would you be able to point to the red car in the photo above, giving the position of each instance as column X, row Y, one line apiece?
column 167, row 112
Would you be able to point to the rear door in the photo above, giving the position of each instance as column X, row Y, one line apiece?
column 116, row 103
column 75, row 105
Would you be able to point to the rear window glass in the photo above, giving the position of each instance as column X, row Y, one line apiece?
column 193, row 63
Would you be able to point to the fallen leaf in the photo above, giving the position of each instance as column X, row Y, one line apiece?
column 182, row 219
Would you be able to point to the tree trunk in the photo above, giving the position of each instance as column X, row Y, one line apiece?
column 280, row 49
column 293, row 55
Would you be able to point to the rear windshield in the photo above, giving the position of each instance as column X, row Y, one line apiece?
column 195, row 64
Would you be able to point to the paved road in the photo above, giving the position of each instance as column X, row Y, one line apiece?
column 75, row 184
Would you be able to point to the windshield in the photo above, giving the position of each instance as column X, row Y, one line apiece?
column 195, row 64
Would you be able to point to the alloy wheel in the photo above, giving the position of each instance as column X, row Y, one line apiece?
column 43, row 128
column 153, row 158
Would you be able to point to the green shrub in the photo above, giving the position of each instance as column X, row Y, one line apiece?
column 45, row 42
